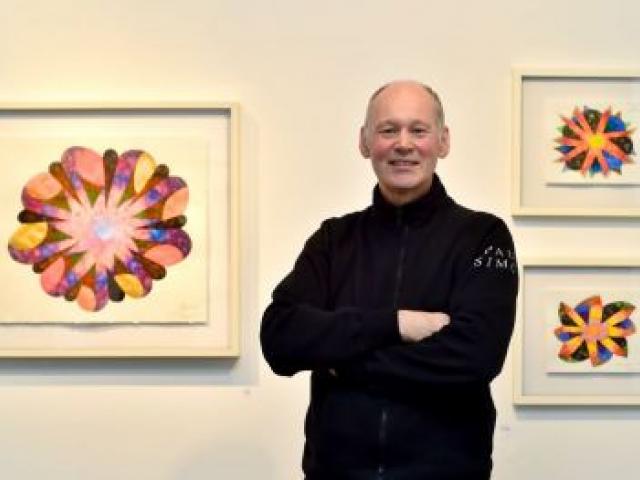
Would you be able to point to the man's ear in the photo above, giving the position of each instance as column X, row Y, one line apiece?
column 443, row 151
column 364, row 148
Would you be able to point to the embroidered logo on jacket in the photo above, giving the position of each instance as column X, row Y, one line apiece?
column 496, row 258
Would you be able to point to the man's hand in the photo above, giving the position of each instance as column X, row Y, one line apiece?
column 415, row 325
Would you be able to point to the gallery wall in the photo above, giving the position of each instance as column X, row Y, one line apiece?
column 302, row 72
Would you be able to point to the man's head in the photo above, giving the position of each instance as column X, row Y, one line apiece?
column 404, row 136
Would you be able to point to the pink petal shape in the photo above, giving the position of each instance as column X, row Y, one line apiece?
column 87, row 163
column 52, row 276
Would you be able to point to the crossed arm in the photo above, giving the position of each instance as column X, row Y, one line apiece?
column 467, row 343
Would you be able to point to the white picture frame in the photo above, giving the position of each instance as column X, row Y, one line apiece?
column 537, row 384
column 197, row 325
column 540, row 96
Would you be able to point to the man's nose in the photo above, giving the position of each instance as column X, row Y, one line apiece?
column 405, row 142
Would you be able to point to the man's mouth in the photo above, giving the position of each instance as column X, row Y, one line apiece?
column 403, row 163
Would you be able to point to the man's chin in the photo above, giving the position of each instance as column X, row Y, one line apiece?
column 406, row 191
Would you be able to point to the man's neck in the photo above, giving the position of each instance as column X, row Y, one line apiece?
column 400, row 197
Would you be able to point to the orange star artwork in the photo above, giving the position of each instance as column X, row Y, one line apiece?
column 595, row 142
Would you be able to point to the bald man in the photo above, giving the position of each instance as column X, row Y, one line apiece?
column 402, row 312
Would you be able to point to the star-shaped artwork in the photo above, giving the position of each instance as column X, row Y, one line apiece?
column 592, row 331
column 595, row 142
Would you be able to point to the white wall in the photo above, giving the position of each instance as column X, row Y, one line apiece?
column 302, row 72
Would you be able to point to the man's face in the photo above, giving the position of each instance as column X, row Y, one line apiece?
column 403, row 139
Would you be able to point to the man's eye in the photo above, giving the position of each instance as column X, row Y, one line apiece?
column 387, row 131
column 420, row 131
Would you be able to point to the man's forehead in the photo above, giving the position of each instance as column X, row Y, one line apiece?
column 408, row 103
column 405, row 97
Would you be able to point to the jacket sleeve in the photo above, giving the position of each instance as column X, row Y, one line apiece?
column 472, row 348
column 299, row 331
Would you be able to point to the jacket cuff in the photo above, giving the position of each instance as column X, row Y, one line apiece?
column 382, row 327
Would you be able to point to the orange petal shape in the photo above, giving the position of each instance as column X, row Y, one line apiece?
column 43, row 186
column 86, row 298
column 89, row 165
column 52, row 275
column 176, row 204
column 570, row 346
column 164, row 254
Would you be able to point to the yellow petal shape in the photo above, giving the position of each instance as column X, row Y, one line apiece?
column 28, row 235
column 176, row 204
column 86, row 298
column 145, row 166
column 43, row 186
column 130, row 285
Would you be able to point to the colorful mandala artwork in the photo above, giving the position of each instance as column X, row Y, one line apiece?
column 595, row 142
column 99, row 228
column 592, row 331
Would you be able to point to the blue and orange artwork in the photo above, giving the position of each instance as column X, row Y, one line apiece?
column 593, row 331
column 595, row 142
column 99, row 228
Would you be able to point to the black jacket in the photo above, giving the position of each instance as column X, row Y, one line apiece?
column 381, row 408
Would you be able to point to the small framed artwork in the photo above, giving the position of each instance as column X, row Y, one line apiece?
column 576, row 143
column 121, row 230
column 576, row 339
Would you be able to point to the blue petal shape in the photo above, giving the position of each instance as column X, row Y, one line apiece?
column 71, row 278
column 614, row 162
column 153, row 195
column 604, row 353
column 615, row 124
column 564, row 148
column 583, row 311
column 564, row 336
column 626, row 323
column 158, row 234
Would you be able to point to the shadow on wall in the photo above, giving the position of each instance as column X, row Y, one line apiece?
column 39, row 372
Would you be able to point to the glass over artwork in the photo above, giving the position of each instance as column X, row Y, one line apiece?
column 99, row 228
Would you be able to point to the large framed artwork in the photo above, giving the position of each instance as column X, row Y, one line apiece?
column 121, row 229
column 576, row 143
column 576, row 339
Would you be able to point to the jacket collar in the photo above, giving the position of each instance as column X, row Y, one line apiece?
column 415, row 212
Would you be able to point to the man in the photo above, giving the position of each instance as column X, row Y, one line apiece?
column 403, row 312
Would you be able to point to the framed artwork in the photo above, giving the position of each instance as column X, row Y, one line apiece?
column 576, row 143
column 121, row 230
column 576, row 340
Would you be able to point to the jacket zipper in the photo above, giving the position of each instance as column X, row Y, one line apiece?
column 382, row 431
column 382, row 440
column 402, row 254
